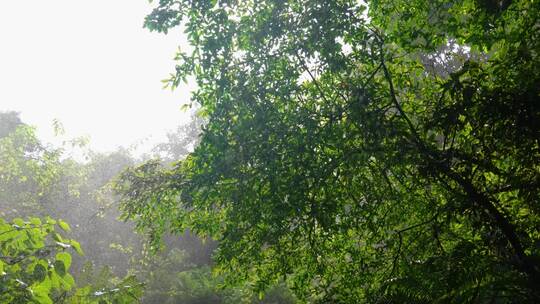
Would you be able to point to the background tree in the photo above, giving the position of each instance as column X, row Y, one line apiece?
column 35, row 260
column 27, row 168
column 79, row 192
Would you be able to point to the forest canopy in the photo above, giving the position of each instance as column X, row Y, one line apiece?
column 380, row 152
column 61, row 240
column 385, row 151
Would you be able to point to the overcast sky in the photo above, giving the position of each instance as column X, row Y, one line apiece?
column 90, row 64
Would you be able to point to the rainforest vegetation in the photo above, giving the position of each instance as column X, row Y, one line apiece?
column 342, row 151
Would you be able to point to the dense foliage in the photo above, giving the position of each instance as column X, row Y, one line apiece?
column 26, row 272
column 35, row 267
column 38, row 182
column 36, row 264
column 381, row 155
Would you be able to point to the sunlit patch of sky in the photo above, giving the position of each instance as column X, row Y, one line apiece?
column 92, row 66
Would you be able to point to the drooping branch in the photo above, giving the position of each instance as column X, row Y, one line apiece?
column 435, row 161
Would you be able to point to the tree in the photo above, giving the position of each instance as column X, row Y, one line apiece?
column 35, row 267
column 336, row 158
column 27, row 168
column 27, row 272
column 35, row 261
column 180, row 142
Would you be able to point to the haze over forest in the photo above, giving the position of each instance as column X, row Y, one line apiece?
column 303, row 151
column 92, row 66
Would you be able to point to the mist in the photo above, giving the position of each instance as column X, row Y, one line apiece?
column 306, row 151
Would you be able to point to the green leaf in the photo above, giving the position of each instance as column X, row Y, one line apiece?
column 65, row 258
column 64, row 225
column 35, row 221
column 40, row 272
column 77, row 247
column 60, row 268
column 40, row 294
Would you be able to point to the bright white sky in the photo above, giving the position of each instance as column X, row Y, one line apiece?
column 90, row 64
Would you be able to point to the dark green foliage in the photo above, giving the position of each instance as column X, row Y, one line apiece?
column 172, row 278
column 339, row 155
